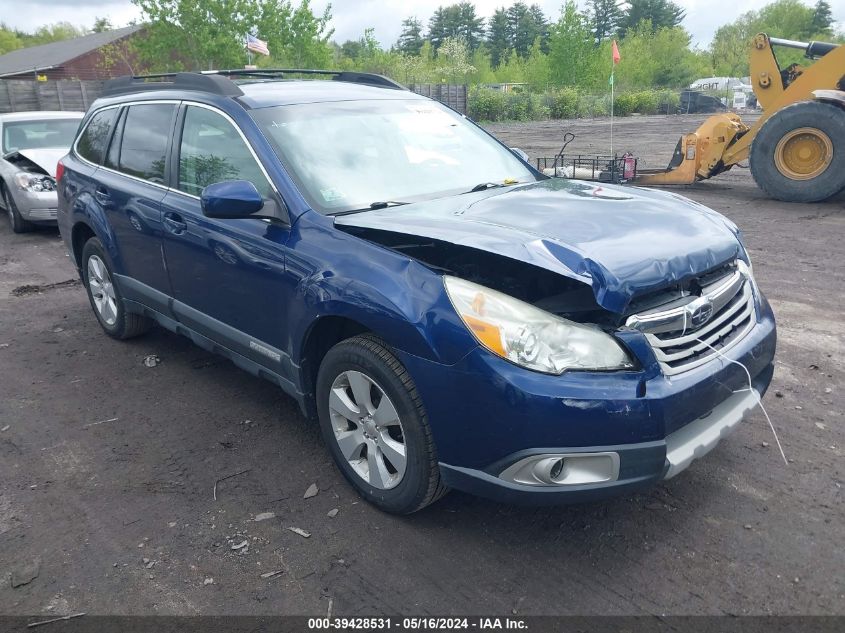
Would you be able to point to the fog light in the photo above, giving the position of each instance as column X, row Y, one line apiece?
column 565, row 469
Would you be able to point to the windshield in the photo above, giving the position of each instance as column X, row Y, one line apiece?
column 353, row 154
column 57, row 133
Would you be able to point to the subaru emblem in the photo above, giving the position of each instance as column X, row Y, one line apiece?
column 699, row 312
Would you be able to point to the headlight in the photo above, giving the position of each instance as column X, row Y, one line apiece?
column 35, row 182
column 748, row 271
column 531, row 337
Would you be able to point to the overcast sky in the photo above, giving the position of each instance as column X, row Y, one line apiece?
column 351, row 17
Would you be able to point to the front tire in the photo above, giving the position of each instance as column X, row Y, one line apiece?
column 16, row 220
column 105, row 297
column 375, row 426
column 799, row 153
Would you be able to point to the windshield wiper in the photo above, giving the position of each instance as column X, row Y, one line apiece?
column 493, row 185
column 380, row 204
column 383, row 204
column 485, row 185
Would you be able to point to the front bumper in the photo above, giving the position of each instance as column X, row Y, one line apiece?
column 640, row 465
column 36, row 206
column 656, row 425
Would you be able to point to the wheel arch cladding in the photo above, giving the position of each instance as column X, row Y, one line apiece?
column 80, row 234
column 321, row 336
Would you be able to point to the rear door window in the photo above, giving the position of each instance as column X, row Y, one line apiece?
column 92, row 143
column 143, row 147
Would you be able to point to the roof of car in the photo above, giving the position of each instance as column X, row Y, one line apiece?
column 264, row 94
column 259, row 88
column 38, row 115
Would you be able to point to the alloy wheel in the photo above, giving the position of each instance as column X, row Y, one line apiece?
column 367, row 429
column 102, row 290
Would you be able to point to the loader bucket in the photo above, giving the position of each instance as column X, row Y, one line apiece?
column 697, row 155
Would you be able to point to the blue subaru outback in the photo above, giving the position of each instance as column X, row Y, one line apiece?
column 450, row 316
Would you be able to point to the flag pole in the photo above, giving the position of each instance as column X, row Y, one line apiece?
column 615, row 57
column 611, row 110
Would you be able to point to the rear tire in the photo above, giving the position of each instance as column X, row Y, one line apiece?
column 105, row 297
column 16, row 221
column 358, row 376
column 799, row 153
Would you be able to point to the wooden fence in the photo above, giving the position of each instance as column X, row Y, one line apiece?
column 18, row 95
column 453, row 95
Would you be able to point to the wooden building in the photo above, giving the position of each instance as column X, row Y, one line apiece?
column 95, row 56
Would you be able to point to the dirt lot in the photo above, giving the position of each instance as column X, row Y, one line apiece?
column 108, row 467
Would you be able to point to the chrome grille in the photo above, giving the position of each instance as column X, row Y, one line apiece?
column 679, row 344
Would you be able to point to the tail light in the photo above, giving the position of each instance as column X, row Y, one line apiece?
column 60, row 171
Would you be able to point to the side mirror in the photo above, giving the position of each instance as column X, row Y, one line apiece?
column 520, row 154
column 231, row 199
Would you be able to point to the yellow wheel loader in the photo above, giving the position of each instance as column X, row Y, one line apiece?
column 796, row 150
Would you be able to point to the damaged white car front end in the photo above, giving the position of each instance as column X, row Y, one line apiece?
column 28, row 165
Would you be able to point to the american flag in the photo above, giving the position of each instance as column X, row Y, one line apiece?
column 256, row 45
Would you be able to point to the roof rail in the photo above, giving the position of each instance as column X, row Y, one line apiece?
column 370, row 79
column 180, row 81
column 219, row 82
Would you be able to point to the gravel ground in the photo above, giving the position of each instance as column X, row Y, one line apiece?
column 108, row 467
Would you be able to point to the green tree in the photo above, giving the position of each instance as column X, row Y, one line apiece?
column 823, row 22
column 525, row 24
column 121, row 53
column 453, row 61
column 660, row 14
column 301, row 40
column 411, row 39
column 729, row 48
column 210, row 33
column 207, row 34
column 786, row 18
column 52, row 33
column 482, row 61
column 542, row 24
column 789, row 19
column 101, row 25
column 456, row 21
column 572, row 55
column 9, row 40
column 351, row 49
column 605, row 17
column 498, row 37
column 538, row 70
column 660, row 58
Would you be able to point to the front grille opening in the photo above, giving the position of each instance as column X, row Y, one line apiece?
column 678, row 292
column 678, row 350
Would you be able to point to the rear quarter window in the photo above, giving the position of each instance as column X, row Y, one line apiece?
column 95, row 137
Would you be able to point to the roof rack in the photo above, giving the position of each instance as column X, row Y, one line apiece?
column 181, row 81
column 219, row 82
column 370, row 79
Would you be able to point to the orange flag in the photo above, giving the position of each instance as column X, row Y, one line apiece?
column 616, row 56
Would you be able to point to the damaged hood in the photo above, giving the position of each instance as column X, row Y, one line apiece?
column 623, row 241
column 46, row 157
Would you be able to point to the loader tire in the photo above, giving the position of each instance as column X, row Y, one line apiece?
column 799, row 153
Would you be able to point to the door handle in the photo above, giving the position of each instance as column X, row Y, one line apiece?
column 102, row 196
column 174, row 223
